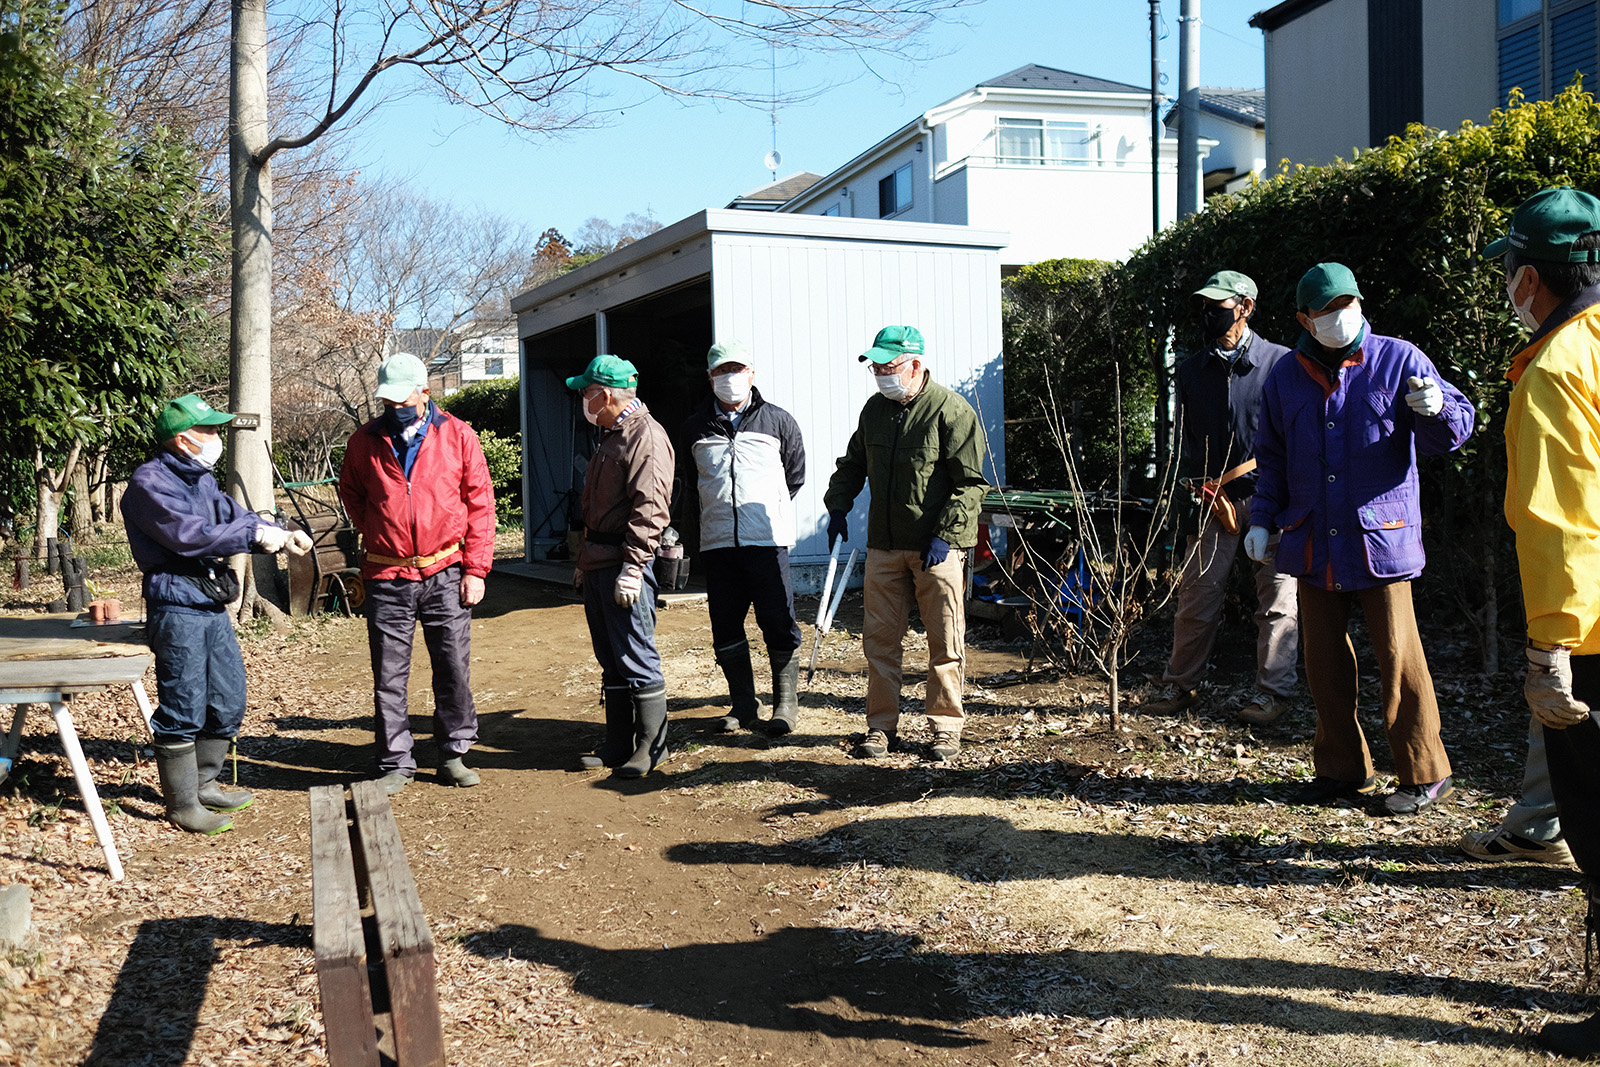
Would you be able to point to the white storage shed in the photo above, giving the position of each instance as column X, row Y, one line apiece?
column 806, row 292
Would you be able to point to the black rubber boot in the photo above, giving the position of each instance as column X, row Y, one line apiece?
column 785, row 690
column 210, row 759
column 650, row 722
column 180, row 786
column 618, row 745
column 1578, row 1040
column 735, row 663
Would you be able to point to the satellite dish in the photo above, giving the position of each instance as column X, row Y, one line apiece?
column 772, row 159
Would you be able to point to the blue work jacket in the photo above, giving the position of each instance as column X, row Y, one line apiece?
column 1336, row 462
column 175, row 514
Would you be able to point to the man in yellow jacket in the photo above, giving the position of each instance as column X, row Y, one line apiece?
column 1552, row 261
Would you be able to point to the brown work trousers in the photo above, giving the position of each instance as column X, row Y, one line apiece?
column 1410, row 709
column 893, row 579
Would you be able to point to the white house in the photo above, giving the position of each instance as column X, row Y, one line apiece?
column 1061, row 161
column 806, row 293
column 487, row 356
column 1346, row 74
column 1236, row 120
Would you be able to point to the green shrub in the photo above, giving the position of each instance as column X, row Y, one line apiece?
column 492, row 404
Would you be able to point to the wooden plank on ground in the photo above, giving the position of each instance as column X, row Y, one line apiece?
column 402, row 931
column 336, row 936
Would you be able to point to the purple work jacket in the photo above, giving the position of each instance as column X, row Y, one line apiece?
column 1337, row 463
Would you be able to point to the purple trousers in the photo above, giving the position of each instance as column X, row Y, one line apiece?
column 394, row 608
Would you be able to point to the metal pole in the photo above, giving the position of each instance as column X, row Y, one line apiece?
column 1155, row 117
column 1189, row 109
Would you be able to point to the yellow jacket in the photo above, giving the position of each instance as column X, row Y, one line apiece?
column 1553, row 482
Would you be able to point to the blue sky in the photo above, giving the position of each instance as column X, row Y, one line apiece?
column 672, row 159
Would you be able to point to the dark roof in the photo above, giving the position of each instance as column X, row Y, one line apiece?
column 1033, row 76
column 1245, row 106
column 784, row 188
column 1286, row 12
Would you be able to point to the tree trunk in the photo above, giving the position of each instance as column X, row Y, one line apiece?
column 80, row 513
column 250, row 343
column 51, row 486
column 99, row 487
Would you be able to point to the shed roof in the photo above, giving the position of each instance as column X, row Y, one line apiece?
column 1248, row 107
column 1283, row 13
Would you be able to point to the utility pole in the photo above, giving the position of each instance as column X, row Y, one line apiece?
column 1155, row 117
column 1189, row 109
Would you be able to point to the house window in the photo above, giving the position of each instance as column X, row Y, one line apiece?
column 894, row 192
column 1045, row 141
column 494, row 368
column 1544, row 44
column 833, row 210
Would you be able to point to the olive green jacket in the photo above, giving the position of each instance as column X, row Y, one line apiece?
column 924, row 464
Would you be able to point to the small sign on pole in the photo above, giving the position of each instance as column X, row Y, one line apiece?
column 246, row 421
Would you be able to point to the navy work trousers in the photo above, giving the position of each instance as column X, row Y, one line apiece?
column 624, row 638
column 199, row 674
column 1574, row 758
column 738, row 579
column 394, row 608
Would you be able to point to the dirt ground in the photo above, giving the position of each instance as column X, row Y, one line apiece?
column 1060, row 894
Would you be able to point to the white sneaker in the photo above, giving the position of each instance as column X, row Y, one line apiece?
column 1265, row 708
column 1501, row 845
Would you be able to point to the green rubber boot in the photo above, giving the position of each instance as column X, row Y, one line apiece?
column 650, row 722
column 180, row 787
column 210, row 758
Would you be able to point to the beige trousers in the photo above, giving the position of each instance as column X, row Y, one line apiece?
column 894, row 579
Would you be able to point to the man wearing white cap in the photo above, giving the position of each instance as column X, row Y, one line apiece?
column 417, row 486
column 748, row 460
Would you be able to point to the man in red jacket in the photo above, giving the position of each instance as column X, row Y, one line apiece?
column 416, row 485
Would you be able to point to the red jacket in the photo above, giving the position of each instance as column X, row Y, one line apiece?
column 448, row 499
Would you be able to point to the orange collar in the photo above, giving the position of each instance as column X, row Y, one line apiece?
column 1519, row 364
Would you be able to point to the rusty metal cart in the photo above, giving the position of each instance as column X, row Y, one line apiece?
column 329, row 576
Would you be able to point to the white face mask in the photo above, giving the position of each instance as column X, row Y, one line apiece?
column 594, row 416
column 1524, row 310
column 210, row 448
column 732, row 388
column 891, row 386
column 1337, row 328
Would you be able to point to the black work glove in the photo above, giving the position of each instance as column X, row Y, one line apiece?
column 938, row 548
column 838, row 528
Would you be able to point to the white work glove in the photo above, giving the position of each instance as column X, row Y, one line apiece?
column 1425, row 398
column 1549, row 688
column 629, row 582
column 271, row 539
column 1255, row 543
column 299, row 543
column 577, row 578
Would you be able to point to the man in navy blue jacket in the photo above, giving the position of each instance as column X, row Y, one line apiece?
column 181, row 529
column 748, row 461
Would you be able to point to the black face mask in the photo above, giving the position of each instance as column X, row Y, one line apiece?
column 397, row 419
column 1217, row 321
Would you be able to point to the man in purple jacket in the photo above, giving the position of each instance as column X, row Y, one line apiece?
column 181, row 529
column 1342, row 424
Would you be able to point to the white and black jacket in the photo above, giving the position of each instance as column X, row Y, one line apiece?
column 747, row 477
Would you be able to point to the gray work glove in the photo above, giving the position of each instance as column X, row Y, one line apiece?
column 1255, row 543
column 630, row 580
column 1425, row 398
column 577, row 578
column 1549, row 688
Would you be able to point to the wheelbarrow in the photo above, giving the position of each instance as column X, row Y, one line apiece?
column 329, row 576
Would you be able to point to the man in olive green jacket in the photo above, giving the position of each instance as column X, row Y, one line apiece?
column 920, row 449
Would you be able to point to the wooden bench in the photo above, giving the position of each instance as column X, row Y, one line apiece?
column 374, row 954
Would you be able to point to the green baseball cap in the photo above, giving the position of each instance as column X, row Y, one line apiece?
column 1548, row 224
column 399, row 376
column 187, row 412
column 612, row 371
column 728, row 352
column 1323, row 284
column 893, row 342
column 1226, row 285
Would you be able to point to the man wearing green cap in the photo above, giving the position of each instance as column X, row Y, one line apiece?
column 627, row 493
column 416, row 484
column 1219, row 411
column 919, row 447
column 181, row 529
column 748, row 461
column 1342, row 424
column 1552, row 268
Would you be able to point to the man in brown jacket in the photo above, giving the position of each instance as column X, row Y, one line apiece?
column 626, row 495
